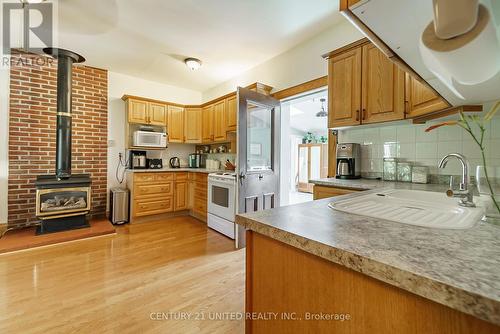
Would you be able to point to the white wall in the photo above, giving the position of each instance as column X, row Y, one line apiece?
column 4, row 145
column 295, row 66
column 120, row 84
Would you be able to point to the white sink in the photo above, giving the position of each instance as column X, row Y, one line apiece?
column 414, row 207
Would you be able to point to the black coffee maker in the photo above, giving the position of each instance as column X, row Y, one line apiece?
column 348, row 161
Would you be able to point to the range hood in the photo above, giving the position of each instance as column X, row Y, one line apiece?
column 401, row 25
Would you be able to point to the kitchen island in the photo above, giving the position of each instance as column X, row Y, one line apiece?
column 344, row 273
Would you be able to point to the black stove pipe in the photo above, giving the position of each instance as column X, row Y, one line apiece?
column 65, row 61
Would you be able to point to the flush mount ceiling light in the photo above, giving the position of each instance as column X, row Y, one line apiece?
column 322, row 112
column 193, row 63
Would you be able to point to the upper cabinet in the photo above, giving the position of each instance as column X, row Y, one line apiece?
column 145, row 112
column 175, row 124
column 192, row 125
column 231, row 114
column 365, row 87
column 207, row 128
column 344, row 88
column 382, row 87
column 420, row 100
column 219, row 114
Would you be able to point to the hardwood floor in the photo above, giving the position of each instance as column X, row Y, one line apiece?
column 117, row 284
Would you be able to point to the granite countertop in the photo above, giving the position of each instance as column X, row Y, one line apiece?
column 182, row 169
column 456, row 268
column 368, row 184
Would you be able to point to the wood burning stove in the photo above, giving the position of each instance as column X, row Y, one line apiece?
column 63, row 200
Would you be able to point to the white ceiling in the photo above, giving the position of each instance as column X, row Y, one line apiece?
column 150, row 38
column 303, row 113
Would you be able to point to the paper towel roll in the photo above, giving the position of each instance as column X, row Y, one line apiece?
column 469, row 59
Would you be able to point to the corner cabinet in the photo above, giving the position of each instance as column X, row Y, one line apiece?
column 231, row 114
column 420, row 100
column 365, row 87
column 175, row 124
column 219, row 114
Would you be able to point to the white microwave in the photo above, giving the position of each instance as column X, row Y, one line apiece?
column 150, row 139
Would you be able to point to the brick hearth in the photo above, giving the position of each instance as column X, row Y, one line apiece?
column 32, row 133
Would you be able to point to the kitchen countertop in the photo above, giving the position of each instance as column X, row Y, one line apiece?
column 369, row 184
column 456, row 268
column 183, row 169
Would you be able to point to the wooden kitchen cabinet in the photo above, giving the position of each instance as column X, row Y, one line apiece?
column 382, row 87
column 192, row 125
column 137, row 111
column 157, row 113
column 198, row 197
column 220, row 121
column 421, row 100
column 344, row 88
column 365, row 87
column 145, row 112
column 181, row 191
column 175, row 124
column 207, row 124
column 231, row 114
column 320, row 192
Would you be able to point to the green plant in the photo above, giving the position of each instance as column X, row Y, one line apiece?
column 471, row 124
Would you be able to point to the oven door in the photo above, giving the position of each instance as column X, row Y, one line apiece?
column 222, row 198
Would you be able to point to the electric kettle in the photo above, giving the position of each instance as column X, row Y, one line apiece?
column 175, row 162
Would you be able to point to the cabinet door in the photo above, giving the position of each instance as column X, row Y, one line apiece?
column 137, row 111
column 207, row 124
column 181, row 196
column 175, row 124
column 192, row 125
column 220, row 121
column 344, row 89
column 157, row 113
column 382, row 88
column 231, row 114
column 420, row 99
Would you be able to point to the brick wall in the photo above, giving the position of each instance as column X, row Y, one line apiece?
column 32, row 133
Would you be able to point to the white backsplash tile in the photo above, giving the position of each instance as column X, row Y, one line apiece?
column 413, row 144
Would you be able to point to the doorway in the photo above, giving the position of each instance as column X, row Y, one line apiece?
column 304, row 146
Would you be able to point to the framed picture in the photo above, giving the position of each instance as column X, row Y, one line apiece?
column 255, row 149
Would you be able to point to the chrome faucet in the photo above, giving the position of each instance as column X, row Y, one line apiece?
column 464, row 192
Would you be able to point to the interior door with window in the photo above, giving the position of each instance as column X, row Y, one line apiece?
column 258, row 154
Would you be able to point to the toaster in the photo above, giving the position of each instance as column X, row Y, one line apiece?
column 155, row 163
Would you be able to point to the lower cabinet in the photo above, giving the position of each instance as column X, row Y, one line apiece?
column 320, row 192
column 154, row 193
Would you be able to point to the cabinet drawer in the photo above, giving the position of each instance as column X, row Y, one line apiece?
column 144, row 177
column 162, row 177
column 163, row 189
column 151, row 207
column 181, row 176
column 200, row 177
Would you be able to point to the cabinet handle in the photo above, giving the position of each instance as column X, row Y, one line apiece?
column 357, row 115
column 363, row 117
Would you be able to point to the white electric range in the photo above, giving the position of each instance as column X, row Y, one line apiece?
column 222, row 202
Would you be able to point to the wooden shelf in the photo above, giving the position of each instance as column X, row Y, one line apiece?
column 446, row 112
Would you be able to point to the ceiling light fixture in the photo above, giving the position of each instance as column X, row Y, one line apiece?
column 193, row 63
column 322, row 112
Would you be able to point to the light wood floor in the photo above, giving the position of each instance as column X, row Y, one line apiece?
column 112, row 284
